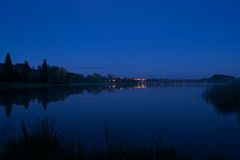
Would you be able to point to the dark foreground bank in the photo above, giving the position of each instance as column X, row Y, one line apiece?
column 43, row 141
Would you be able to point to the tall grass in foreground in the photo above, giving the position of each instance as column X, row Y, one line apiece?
column 46, row 142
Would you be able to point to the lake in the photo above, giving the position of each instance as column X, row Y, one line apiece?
column 196, row 119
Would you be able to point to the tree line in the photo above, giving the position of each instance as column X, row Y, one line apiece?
column 44, row 73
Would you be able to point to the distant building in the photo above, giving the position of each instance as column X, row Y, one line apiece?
column 139, row 79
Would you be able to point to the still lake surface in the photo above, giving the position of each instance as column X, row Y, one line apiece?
column 185, row 117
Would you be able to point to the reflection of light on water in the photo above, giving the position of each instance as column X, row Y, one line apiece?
column 141, row 86
column 112, row 86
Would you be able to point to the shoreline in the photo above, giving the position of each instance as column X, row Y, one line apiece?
column 18, row 85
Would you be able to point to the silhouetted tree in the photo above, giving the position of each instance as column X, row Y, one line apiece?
column 44, row 72
column 22, row 72
column 58, row 75
column 9, row 71
column 27, row 70
column 95, row 78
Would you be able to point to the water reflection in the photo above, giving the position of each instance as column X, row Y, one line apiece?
column 225, row 98
column 46, row 95
column 141, row 86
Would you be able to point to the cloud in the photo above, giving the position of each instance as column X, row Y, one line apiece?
column 118, row 66
column 87, row 68
column 108, row 68
column 123, row 66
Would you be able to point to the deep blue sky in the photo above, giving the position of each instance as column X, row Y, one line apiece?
column 161, row 38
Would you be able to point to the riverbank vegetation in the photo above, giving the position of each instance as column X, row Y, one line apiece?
column 47, row 142
column 44, row 141
column 225, row 99
column 22, row 74
column 44, row 74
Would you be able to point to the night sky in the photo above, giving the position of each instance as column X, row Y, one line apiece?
column 160, row 38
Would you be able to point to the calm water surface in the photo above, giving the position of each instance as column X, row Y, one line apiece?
column 189, row 118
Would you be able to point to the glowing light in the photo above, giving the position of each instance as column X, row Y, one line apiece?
column 141, row 86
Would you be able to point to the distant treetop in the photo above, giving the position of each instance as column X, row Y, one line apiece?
column 222, row 77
